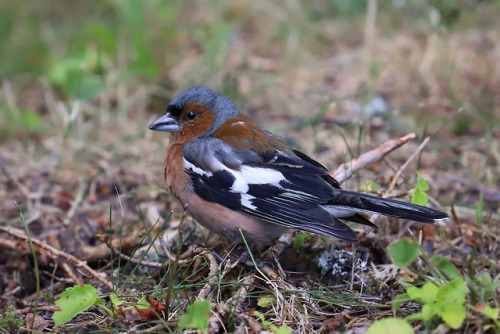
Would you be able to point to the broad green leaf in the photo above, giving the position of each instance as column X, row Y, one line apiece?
column 491, row 312
column 445, row 266
column 266, row 301
column 259, row 315
column 390, row 325
column 484, row 286
column 451, row 302
column 429, row 311
column 404, row 252
column 74, row 301
column 422, row 184
column 283, row 330
column 197, row 316
column 424, row 295
column 419, row 195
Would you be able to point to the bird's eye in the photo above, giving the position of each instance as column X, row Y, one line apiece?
column 192, row 114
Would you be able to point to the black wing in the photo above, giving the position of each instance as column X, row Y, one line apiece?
column 275, row 187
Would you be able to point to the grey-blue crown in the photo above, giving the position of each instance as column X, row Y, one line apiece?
column 223, row 107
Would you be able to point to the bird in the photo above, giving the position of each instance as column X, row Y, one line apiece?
column 234, row 178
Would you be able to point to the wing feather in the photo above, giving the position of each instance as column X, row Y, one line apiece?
column 275, row 187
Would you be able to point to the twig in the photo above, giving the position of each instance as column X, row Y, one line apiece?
column 214, row 269
column 54, row 253
column 40, row 308
column 403, row 167
column 342, row 173
column 246, row 286
column 102, row 251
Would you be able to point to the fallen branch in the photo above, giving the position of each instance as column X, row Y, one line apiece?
column 55, row 253
column 102, row 251
column 344, row 172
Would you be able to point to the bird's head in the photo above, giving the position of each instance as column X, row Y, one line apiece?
column 195, row 112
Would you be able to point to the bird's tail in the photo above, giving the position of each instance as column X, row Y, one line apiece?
column 346, row 204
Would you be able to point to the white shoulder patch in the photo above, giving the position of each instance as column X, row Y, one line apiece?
column 244, row 176
column 254, row 175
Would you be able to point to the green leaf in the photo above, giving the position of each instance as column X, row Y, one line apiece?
column 404, row 252
column 491, row 312
column 451, row 302
column 445, row 266
column 115, row 300
column 267, row 325
column 74, row 301
column 419, row 195
column 479, row 210
column 429, row 311
column 266, row 301
column 259, row 315
column 142, row 303
column 425, row 295
column 299, row 240
column 283, row 330
column 197, row 316
column 390, row 325
column 422, row 184
column 484, row 286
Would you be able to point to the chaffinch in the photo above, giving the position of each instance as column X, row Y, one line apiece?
column 231, row 175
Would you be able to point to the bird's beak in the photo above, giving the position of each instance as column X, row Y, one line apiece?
column 165, row 123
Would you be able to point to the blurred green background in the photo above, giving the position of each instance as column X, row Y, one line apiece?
column 90, row 69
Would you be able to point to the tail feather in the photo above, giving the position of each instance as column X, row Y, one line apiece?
column 345, row 204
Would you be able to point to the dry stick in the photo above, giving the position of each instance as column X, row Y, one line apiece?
column 184, row 258
column 70, row 259
column 102, row 251
column 246, row 286
column 403, row 167
column 214, row 269
column 342, row 173
column 40, row 308
column 189, row 255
